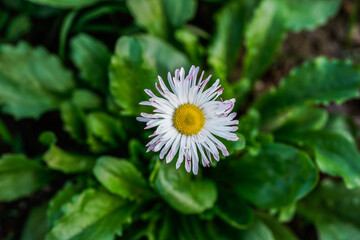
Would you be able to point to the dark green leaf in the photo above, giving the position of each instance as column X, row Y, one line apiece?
column 66, row 162
column 179, row 12
column 279, row 231
column 35, row 226
column 93, row 214
column 334, row 154
column 73, row 121
column 316, row 81
column 92, row 58
column 39, row 85
column 18, row 27
column 183, row 194
column 86, row 99
column 104, row 131
column 120, row 177
column 47, row 138
column 20, row 176
column 343, row 125
column 5, row 134
column 279, row 175
column 69, row 4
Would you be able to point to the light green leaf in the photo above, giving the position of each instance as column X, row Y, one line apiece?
column 343, row 125
column 73, row 119
column 38, row 87
column 86, row 99
column 183, row 194
column 104, row 131
column 316, row 81
column 120, row 177
column 263, row 37
column 308, row 14
column 334, row 153
column 93, row 214
column 279, row 175
column 35, row 226
column 191, row 44
column 20, row 176
column 63, row 196
column 334, row 229
column 132, row 69
column 92, row 58
column 66, row 162
column 230, row 24
column 68, row 4
column 150, row 15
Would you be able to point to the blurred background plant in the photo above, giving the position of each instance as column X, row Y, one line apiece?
column 73, row 162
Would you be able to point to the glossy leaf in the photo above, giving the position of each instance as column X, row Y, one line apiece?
column 334, row 154
column 317, row 81
column 66, row 162
column 20, row 176
column 120, row 177
column 38, row 87
column 92, row 58
column 183, row 194
column 277, row 176
column 93, row 214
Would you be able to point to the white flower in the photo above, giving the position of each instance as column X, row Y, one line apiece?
column 188, row 118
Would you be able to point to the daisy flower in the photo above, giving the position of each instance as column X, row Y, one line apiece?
column 188, row 120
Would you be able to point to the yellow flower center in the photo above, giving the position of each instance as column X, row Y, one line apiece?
column 188, row 119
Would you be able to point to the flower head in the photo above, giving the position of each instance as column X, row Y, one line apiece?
column 188, row 118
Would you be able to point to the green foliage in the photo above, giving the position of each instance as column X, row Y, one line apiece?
column 38, row 87
column 316, row 81
column 20, row 176
column 182, row 193
column 277, row 176
column 120, row 177
column 93, row 214
column 88, row 174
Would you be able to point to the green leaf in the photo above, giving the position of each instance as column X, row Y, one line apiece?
column 20, row 176
column 343, row 125
column 35, row 226
column 86, row 99
column 234, row 211
column 301, row 119
column 93, row 214
column 226, row 43
column 316, row 81
column 191, row 44
column 47, row 138
column 18, row 27
column 183, row 194
column 150, row 15
column 279, row 230
column 66, row 162
column 132, row 69
column 5, row 134
column 63, row 196
column 308, row 14
column 68, row 4
column 334, row 154
column 36, row 88
column 279, row 175
column 92, row 58
column 334, row 211
column 104, row 131
column 120, row 177
column 179, row 12
column 263, row 37
column 259, row 231
column 73, row 119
